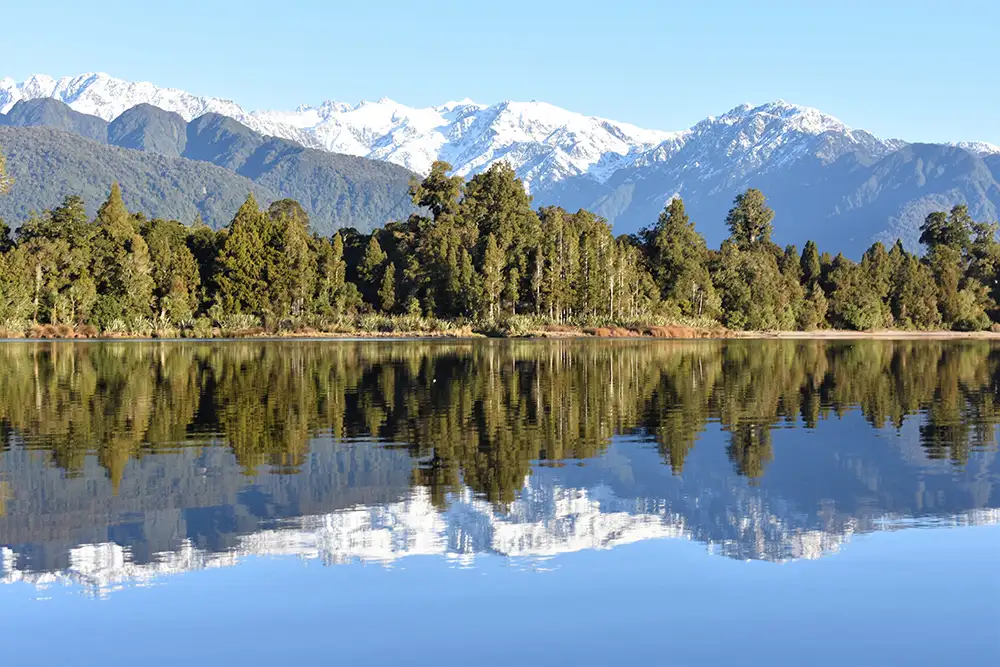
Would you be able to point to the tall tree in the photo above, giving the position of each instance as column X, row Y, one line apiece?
column 174, row 269
column 438, row 192
column 243, row 286
column 122, row 265
column 749, row 220
column 678, row 256
column 387, row 290
column 493, row 263
column 810, row 264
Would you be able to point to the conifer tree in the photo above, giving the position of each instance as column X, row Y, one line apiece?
column 243, row 287
column 122, row 266
column 493, row 279
column 174, row 270
column 438, row 192
column 749, row 220
column 370, row 269
column 677, row 256
column 387, row 290
column 810, row 264
column 914, row 296
column 331, row 274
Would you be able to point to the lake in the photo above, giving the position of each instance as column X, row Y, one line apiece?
column 495, row 502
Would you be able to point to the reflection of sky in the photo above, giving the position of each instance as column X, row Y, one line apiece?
column 915, row 597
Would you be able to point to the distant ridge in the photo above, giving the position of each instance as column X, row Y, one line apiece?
column 826, row 181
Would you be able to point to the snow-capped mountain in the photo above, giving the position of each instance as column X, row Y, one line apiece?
column 978, row 147
column 543, row 143
column 826, row 181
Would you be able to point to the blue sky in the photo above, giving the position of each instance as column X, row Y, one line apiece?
column 916, row 69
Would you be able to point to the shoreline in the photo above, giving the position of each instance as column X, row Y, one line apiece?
column 559, row 333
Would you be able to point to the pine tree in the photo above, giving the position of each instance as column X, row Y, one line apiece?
column 387, row 290
column 370, row 269
column 493, row 281
column 240, row 274
column 810, row 264
column 331, row 274
column 438, row 192
column 678, row 260
column 749, row 220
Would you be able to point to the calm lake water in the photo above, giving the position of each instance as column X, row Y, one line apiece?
column 500, row 502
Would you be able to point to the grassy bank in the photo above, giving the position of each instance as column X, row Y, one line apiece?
column 404, row 326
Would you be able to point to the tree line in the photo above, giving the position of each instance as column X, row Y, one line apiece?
column 479, row 253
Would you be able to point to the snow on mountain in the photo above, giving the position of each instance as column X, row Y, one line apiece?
column 543, row 143
column 978, row 147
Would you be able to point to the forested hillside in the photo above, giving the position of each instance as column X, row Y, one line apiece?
column 336, row 190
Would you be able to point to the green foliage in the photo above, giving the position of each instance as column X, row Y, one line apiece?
column 338, row 190
column 678, row 259
column 749, row 220
column 387, row 290
column 240, row 272
column 855, row 302
column 482, row 256
column 752, row 289
column 810, row 265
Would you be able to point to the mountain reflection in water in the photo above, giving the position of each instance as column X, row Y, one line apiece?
column 122, row 462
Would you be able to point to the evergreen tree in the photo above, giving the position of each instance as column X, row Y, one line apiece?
column 810, row 265
column 331, row 275
column 370, row 269
column 240, row 274
column 914, row 296
column 749, row 220
column 855, row 302
column 387, row 290
column 122, row 267
column 751, row 286
column 677, row 256
column 293, row 264
column 174, row 270
column 438, row 192
column 493, row 279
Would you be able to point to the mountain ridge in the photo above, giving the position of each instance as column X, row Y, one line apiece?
column 822, row 177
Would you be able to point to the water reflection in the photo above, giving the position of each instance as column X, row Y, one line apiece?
column 125, row 461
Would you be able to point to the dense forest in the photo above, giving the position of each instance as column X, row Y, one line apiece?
column 480, row 257
column 481, row 415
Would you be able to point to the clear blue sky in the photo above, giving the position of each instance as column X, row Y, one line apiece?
column 916, row 69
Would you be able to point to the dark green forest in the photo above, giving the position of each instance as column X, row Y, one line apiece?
column 477, row 256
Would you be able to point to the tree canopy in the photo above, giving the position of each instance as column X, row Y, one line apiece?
column 478, row 252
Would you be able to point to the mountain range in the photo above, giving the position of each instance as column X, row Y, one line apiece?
column 842, row 187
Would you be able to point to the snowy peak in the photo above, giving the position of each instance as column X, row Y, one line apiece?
column 980, row 148
column 542, row 142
